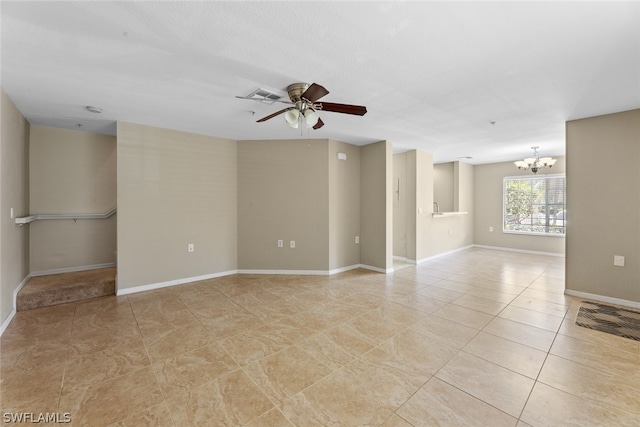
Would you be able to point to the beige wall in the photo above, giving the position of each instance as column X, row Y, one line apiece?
column 376, row 205
column 603, row 186
column 488, row 205
column 344, row 205
column 401, row 196
column 174, row 188
column 14, row 193
column 71, row 172
column 443, row 186
column 283, row 194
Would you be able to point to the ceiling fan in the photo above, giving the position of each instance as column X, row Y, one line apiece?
column 304, row 106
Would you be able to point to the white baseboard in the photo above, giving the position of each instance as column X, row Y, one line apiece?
column 7, row 321
column 443, row 254
column 302, row 272
column 72, row 269
column 602, row 298
column 288, row 272
column 404, row 259
column 522, row 251
column 152, row 286
column 377, row 269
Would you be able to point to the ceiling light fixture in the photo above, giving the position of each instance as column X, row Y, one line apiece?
column 93, row 109
column 535, row 163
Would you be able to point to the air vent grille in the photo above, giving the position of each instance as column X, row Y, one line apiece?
column 264, row 95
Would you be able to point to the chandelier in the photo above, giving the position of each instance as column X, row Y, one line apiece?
column 535, row 163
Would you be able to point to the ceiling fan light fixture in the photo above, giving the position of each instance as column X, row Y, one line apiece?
column 291, row 116
column 311, row 117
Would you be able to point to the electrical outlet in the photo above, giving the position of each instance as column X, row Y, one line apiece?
column 280, row 243
column 490, row 229
column 191, row 247
column 357, row 239
column 292, row 244
column 618, row 260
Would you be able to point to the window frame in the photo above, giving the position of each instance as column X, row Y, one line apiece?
column 533, row 177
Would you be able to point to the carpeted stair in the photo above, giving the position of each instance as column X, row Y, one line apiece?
column 54, row 289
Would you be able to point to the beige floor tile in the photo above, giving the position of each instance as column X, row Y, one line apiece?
column 591, row 384
column 176, row 341
column 48, row 323
column 185, row 371
column 286, row 373
column 603, row 358
column 521, row 333
column 255, row 344
column 385, row 321
column 320, row 404
column 452, row 285
column 84, row 370
column 157, row 415
column 439, row 293
column 232, row 324
column 36, row 390
column 255, row 298
column 440, row 404
column 93, row 340
column 338, row 346
column 480, row 304
column 440, row 328
column 492, row 294
column 543, row 295
column 508, row 354
column 395, row 421
column 29, row 353
column 345, row 349
column 465, row 316
column 539, row 305
column 230, row 400
column 363, row 299
column 397, row 368
column 419, row 302
column 545, row 321
column 550, row 407
column 493, row 384
column 273, row 418
column 113, row 400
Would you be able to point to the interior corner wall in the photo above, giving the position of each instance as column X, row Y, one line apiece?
column 401, row 196
column 283, row 194
column 71, row 172
column 603, row 205
column 14, row 194
column 174, row 188
column 488, row 204
column 344, row 205
column 376, row 205
column 443, row 186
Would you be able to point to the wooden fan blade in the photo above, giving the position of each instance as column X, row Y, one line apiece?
column 319, row 124
column 314, row 92
column 270, row 116
column 357, row 110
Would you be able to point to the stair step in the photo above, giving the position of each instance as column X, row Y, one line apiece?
column 54, row 289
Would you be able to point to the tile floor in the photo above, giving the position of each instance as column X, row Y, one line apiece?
column 480, row 337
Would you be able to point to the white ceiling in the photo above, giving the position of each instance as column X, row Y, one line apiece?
column 433, row 75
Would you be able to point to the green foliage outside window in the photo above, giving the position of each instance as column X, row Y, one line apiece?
column 535, row 205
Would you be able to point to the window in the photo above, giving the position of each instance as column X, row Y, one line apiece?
column 535, row 205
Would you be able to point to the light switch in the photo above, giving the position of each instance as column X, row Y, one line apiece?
column 618, row 260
